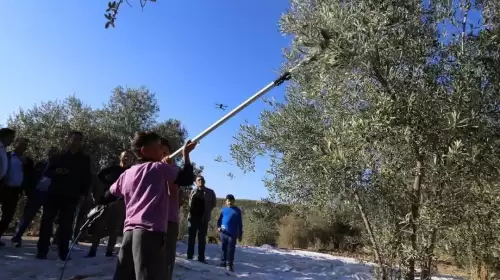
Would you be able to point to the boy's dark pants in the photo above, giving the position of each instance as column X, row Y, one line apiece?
column 9, row 196
column 228, row 248
column 199, row 227
column 107, row 225
column 170, row 247
column 142, row 256
column 66, row 208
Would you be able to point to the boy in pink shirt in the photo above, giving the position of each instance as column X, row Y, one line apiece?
column 143, row 188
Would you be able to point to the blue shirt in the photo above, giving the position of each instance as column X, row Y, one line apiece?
column 230, row 221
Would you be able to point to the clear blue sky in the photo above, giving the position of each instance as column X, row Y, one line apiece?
column 191, row 53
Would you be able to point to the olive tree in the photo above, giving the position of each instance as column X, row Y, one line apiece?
column 399, row 115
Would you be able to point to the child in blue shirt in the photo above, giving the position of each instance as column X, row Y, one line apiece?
column 230, row 226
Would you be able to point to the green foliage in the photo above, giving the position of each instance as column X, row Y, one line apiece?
column 396, row 117
column 320, row 231
column 107, row 130
column 293, row 233
column 258, row 232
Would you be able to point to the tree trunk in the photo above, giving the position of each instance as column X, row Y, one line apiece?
column 429, row 253
column 368, row 227
column 483, row 271
column 415, row 208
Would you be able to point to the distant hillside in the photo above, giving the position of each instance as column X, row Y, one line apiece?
column 242, row 203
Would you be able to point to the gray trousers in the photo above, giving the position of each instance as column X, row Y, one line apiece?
column 171, row 247
column 142, row 256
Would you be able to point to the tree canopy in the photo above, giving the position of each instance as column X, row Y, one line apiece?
column 399, row 117
column 107, row 130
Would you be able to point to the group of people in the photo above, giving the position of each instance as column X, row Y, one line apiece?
column 60, row 184
column 141, row 194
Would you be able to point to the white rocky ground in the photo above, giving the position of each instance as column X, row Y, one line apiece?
column 251, row 263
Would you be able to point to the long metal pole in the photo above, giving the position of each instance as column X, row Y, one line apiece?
column 285, row 76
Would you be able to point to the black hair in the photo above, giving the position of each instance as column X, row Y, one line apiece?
column 230, row 197
column 6, row 132
column 141, row 139
column 164, row 142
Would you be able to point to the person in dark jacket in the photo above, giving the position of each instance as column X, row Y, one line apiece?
column 35, row 198
column 110, row 219
column 31, row 176
column 202, row 201
column 70, row 182
column 230, row 227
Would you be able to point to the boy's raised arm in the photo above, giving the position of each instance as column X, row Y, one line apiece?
column 182, row 177
column 185, row 177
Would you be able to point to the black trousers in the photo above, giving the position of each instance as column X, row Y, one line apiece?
column 66, row 208
column 9, row 197
column 197, row 228
column 171, row 247
column 107, row 225
column 83, row 209
column 142, row 256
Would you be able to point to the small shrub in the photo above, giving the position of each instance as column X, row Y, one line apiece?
column 293, row 233
column 332, row 235
column 258, row 232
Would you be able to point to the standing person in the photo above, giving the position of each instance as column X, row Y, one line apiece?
column 143, row 188
column 201, row 203
column 230, row 227
column 36, row 198
column 70, row 181
column 31, row 176
column 110, row 219
column 173, row 217
column 11, row 187
column 7, row 135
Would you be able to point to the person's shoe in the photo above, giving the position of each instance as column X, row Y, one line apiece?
column 230, row 268
column 41, row 256
column 17, row 243
column 54, row 241
column 15, row 240
column 189, row 257
column 202, row 260
column 110, row 254
column 91, row 254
